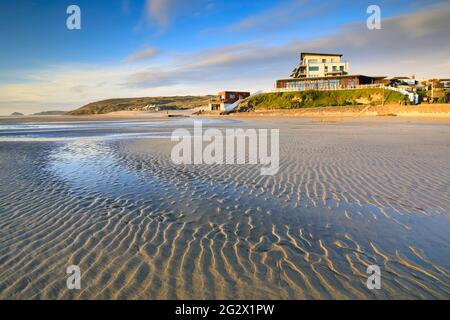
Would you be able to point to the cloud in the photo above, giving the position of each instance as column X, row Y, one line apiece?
column 156, row 77
column 160, row 13
column 422, row 36
column 277, row 17
column 62, row 87
column 416, row 43
column 223, row 63
column 143, row 55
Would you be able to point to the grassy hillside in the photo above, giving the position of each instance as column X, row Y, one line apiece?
column 49, row 113
column 316, row 99
column 127, row 104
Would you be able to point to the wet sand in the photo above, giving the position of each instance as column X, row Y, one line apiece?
column 112, row 116
column 107, row 197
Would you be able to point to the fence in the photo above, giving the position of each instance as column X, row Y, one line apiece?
column 355, row 87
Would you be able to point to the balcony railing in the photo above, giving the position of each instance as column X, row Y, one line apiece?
column 354, row 87
column 305, row 64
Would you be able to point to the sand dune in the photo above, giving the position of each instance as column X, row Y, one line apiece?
column 348, row 195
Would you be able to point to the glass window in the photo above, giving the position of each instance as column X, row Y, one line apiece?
column 313, row 68
column 341, row 68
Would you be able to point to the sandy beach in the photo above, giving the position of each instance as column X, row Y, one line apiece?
column 112, row 116
column 224, row 159
column 105, row 196
column 430, row 112
column 435, row 112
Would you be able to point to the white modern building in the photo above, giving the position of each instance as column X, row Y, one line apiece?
column 314, row 65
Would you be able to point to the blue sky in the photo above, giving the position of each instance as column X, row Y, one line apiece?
column 169, row 47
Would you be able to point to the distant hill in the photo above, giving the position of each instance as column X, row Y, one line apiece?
column 140, row 104
column 17, row 114
column 50, row 113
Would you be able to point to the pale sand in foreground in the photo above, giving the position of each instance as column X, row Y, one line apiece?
column 348, row 194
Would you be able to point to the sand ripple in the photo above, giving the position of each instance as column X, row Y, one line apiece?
column 140, row 227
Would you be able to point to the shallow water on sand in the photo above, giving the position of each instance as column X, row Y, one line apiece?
column 105, row 196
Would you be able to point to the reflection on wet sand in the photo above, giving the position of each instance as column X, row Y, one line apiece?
column 348, row 195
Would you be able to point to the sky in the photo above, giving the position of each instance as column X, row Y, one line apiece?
column 141, row 48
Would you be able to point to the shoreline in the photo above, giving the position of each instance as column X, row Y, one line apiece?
column 435, row 110
column 440, row 112
column 118, row 116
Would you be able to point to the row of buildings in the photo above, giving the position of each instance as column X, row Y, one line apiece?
column 324, row 71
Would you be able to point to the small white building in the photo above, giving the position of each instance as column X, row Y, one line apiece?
column 226, row 98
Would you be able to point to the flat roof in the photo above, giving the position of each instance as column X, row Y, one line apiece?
column 334, row 77
column 228, row 91
column 320, row 54
column 400, row 78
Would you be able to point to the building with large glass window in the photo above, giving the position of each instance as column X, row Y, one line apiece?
column 327, row 83
column 324, row 71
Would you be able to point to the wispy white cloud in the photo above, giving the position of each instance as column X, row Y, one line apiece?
column 416, row 43
column 421, row 37
column 144, row 54
column 160, row 13
column 279, row 16
column 222, row 63
column 64, row 87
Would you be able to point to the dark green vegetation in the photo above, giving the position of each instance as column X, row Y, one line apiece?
column 317, row 99
column 49, row 113
column 17, row 114
column 142, row 104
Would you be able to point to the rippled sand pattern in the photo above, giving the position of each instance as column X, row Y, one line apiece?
column 348, row 195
